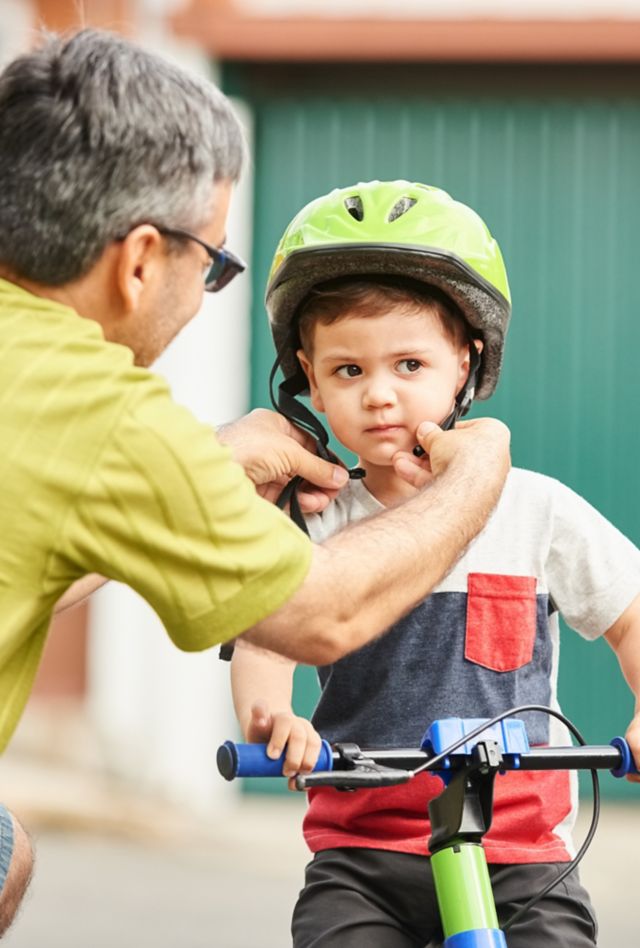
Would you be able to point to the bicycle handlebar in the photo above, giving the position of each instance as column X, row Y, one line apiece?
column 250, row 760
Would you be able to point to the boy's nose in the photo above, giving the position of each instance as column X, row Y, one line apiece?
column 378, row 394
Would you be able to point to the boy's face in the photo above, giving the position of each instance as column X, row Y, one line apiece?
column 377, row 378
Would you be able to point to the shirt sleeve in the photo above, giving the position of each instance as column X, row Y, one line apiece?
column 167, row 512
column 593, row 569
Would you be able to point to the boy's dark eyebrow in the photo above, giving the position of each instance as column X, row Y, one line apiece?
column 339, row 357
column 423, row 350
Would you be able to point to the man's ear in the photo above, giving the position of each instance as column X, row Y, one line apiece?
column 307, row 368
column 140, row 264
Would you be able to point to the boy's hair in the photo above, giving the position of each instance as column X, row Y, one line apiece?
column 371, row 296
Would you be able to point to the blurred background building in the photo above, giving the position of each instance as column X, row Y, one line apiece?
column 530, row 112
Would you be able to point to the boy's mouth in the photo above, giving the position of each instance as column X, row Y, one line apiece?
column 383, row 429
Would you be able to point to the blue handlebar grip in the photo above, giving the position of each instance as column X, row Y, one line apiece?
column 250, row 760
column 627, row 763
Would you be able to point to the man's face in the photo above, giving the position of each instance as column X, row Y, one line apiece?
column 177, row 297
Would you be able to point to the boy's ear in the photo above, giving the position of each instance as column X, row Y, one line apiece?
column 307, row 367
column 465, row 364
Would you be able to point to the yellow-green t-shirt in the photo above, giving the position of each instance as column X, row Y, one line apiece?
column 100, row 471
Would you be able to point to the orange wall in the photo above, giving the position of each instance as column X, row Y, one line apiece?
column 58, row 15
column 228, row 30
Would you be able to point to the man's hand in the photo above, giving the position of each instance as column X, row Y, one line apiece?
column 482, row 441
column 285, row 729
column 272, row 451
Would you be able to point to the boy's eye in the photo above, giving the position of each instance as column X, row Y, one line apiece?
column 407, row 366
column 347, row 371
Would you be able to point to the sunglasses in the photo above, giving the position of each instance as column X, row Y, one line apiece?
column 224, row 264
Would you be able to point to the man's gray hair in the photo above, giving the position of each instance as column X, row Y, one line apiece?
column 97, row 136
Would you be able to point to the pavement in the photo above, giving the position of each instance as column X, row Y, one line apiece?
column 115, row 868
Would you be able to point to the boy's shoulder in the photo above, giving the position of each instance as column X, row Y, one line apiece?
column 547, row 508
column 534, row 486
column 521, row 477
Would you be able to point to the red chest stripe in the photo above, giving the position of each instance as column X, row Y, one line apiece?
column 528, row 807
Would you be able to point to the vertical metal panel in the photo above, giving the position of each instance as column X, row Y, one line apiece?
column 554, row 173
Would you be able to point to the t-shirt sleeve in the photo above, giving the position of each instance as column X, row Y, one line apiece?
column 166, row 511
column 593, row 570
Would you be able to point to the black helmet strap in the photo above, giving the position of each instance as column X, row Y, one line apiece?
column 465, row 396
column 298, row 414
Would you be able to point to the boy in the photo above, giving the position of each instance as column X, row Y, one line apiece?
column 394, row 300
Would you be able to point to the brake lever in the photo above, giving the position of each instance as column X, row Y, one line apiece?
column 363, row 776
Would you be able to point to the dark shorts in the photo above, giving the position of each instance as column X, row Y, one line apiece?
column 368, row 898
column 6, row 844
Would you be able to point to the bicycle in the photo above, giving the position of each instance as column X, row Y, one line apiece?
column 466, row 754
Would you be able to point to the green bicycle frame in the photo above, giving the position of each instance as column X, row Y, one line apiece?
column 469, row 922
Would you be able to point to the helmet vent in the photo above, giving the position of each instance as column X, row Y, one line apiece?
column 401, row 207
column 354, row 207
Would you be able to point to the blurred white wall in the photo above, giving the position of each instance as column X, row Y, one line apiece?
column 16, row 25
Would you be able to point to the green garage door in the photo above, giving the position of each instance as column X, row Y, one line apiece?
column 550, row 159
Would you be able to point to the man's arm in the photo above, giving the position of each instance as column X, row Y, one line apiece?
column 364, row 578
column 189, row 534
column 624, row 639
column 271, row 450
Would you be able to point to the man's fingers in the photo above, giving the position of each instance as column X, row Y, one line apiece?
column 318, row 472
column 426, row 434
column 483, row 440
column 416, row 471
column 314, row 501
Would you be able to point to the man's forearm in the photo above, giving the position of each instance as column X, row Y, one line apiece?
column 363, row 579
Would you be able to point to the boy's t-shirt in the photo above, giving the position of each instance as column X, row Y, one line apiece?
column 485, row 640
column 101, row 471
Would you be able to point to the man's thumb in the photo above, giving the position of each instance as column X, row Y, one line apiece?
column 319, row 472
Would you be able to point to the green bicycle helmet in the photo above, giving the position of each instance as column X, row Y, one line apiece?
column 391, row 228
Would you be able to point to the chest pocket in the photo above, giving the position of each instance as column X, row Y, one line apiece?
column 501, row 620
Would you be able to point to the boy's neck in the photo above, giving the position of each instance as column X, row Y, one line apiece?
column 385, row 485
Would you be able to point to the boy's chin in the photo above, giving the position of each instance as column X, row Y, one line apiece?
column 379, row 459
